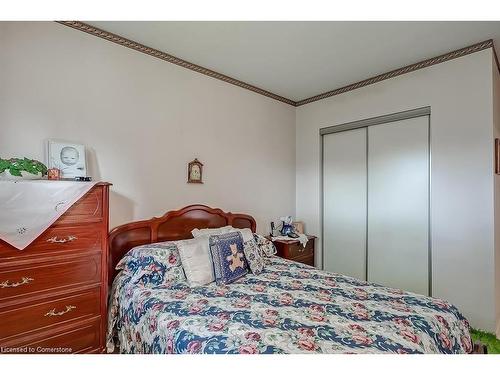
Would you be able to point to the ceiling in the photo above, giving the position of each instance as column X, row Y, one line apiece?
column 298, row 60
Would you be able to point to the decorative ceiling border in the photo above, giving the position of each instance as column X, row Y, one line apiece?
column 208, row 72
column 169, row 58
column 406, row 69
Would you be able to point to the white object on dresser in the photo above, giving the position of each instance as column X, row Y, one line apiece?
column 28, row 208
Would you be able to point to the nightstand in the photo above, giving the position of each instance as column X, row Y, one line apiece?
column 293, row 250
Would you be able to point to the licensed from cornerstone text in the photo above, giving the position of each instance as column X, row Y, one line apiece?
column 33, row 350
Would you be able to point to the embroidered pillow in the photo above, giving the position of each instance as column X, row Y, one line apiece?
column 196, row 260
column 253, row 257
column 153, row 264
column 266, row 247
column 228, row 257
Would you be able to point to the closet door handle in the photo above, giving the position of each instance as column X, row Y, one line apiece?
column 54, row 313
column 55, row 239
column 24, row 281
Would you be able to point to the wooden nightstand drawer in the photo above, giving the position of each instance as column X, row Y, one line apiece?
column 296, row 250
column 293, row 250
column 308, row 259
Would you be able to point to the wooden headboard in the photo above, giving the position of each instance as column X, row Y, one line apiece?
column 174, row 225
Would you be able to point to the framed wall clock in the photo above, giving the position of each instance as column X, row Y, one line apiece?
column 195, row 172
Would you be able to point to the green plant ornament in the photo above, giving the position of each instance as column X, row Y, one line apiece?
column 15, row 166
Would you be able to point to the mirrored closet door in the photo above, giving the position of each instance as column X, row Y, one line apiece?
column 376, row 200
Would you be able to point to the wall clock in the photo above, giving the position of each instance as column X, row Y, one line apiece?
column 195, row 172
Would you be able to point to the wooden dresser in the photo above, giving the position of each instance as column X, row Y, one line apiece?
column 53, row 294
column 293, row 250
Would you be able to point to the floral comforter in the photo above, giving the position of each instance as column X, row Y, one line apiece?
column 289, row 308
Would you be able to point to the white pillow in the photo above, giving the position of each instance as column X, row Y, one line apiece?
column 210, row 231
column 246, row 233
column 196, row 260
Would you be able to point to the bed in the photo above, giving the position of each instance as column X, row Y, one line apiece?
column 288, row 308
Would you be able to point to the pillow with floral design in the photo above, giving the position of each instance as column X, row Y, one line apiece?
column 153, row 264
column 253, row 256
column 266, row 247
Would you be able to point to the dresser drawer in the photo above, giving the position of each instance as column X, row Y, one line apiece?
column 88, row 209
column 82, row 338
column 21, row 320
column 308, row 259
column 56, row 240
column 293, row 250
column 296, row 250
column 23, row 281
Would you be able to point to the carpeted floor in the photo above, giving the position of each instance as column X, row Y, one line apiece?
column 488, row 339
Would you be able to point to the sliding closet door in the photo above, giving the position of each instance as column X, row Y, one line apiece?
column 398, row 204
column 344, row 202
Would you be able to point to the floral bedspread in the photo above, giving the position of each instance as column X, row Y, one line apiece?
column 289, row 308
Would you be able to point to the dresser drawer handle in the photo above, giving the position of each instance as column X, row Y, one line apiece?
column 62, row 240
column 54, row 313
column 24, row 281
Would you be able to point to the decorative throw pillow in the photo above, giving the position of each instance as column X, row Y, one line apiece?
column 211, row 231
column 246, row 233
column 153, row 264
column 266, row 247
column 228, row 257
column 196, row 260
column 253, row 257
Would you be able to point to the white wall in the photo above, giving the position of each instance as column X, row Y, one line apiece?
column 460, row 95
column 143, row 121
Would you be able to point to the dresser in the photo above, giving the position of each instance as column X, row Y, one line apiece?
column 293, row 250
column 53, row 294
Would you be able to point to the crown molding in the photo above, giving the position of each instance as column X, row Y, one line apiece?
column 170, row 58
column 406, row 69
column 114, row 38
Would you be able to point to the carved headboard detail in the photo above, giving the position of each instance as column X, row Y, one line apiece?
column 174, row 225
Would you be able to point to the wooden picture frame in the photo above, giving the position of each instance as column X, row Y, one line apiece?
column 68, row 157
column 195, row 172
column 497, row 156
column 298, row 227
